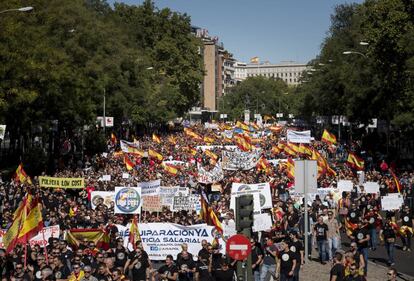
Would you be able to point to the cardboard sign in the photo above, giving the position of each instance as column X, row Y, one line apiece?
column 371, row 187
column 262, row 222
column 152, row 203
column 345, row 185
column 391, row 202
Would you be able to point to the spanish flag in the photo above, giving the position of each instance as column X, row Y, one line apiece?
column 396, row 181
column 21, row 176
column 128, row 163
column 208, row 139
column 264, row 165
column 242, row 126
column 355, row 162
column 290, row 168
column 207, row 214
column 171, row 169
column 134, row 235
column 156, row 138
column 131, row 148
column 289, row 151
column 192, row 134
column 321, row 161
column 276, row 150
column 27, row 223
column 211, row 154
column 254, row 60
column 254, row 127
column 155, row 155
column 98, row 236
column 350, row 227
column 242, row 142
column 114, row 140
column 268, row 117
column 328, row 137
column 276, row 128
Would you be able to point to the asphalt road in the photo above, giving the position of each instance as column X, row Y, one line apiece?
column 404, row 260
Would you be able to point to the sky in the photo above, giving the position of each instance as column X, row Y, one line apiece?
column 273, row 30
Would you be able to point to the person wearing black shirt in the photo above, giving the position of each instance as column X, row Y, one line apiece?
column 225, row 274
column 296, row 247
column 371, row 218
column 354, row 274
column 320, row 231
column 120, row 253
column 205, row 251
column 257, row 257
column 338, row 270
column 292, row 220
column 169, row 271
column 407, row 224
column 354, row 214
column 203, row 271
column 186, row 267
column 361, row 236
column 286, row 263
column 20, row 274
column 138, row 264
column 389, row 240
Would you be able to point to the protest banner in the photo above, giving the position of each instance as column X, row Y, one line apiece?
column 42, row 238
column 61, row 182
column 167, row 194
column 150, row 187
column 102, row 197
column 162, row 239
column 174, row 162
column 391, row 202
column 299, row 136
column 212, row 176
column 345, row 185
column 262, row 222
column 125, row 175
column 212, row 147
column 239, row 160
column 152, row 203
column 371, row 187
column 263, row 189
column 185, row 203
column 213, row 126
column 127, row 200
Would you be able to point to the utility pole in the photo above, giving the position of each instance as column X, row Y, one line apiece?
column 104, row 112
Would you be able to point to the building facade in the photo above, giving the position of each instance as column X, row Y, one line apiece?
column 289, row 72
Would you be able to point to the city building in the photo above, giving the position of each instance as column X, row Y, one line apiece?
column 290, row 72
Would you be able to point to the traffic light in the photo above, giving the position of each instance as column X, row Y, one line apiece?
column 244, row 212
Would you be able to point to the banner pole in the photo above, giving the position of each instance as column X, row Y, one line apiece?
column 45, row 249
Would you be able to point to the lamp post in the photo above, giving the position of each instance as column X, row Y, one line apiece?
column 22, row 9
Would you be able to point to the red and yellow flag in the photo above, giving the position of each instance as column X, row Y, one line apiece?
column 276, row 128
column 355, row 162
column 172, row 140
column 192, row 134
column 26, row 224
column 328, row 137
column 155, row 155
column 98, row 236
column 290, row 168
column 156, row 138
column 134, row 235
column 243, row 142
column 208, row 139
column 171, row 169
column 128, row 163
column 288, row 149
column 114, row 140
column 264, row 165
column 21, row 176
column 211, row 154
column 242, row 126
column 396, row 181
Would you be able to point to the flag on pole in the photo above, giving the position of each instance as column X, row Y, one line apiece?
column 328, row 137
column 242, row 126
column 208, row 139
column 21, row 176
column 171, row 169
column 254, row 60
column 134, row 235
column 155, row 155
column 156, row 138
column 290, row 168
column 355, row 162
column 192, row 134
column 396, row 181
column 128, row 163
column 243, row 142
column 27, row 222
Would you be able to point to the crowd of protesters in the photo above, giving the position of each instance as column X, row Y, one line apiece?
column 278, row 253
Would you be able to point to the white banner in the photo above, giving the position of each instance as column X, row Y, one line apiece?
column 42, row 238
column 263, row 189
column 345, row 185
column 150, row 188
column 162, row 239
column 186, row 203
column 299, row 136
column 212, row 147
column 102, row 197
column 213, row 126
column 167, row 194
column 239, row 160
column 371, row 187
column 389, row 203
column 127, row 200
column 214, row 175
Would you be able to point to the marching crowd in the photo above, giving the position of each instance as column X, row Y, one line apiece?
column 354, row 216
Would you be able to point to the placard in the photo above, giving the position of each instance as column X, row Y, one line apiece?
column 185, row 203
column 390, row 203
column 345, row 185
column 127, row 200
column 152, row 203
column 210, row 176
column 105, row 178
column 371, row 187
column 262, row 222
column 102, row 197
column 125, row 175
column 299, row 136
column 150, row 187
column 239, row 160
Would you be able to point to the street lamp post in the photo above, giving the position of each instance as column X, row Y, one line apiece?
column 23, row 9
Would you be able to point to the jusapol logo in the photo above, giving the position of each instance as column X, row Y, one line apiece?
column 127, row 200
column 154, row 248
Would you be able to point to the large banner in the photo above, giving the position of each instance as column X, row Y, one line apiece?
column 150, row 188
column 167, row 194
column 162, row 239
column 127, row 200
column 102, row 197
column 214, row 175
column 61, row 182
column 239, row 160
column 42, row 238
column 299, row 136
column 258, row 190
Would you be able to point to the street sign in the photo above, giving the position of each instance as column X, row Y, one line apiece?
column 109, row 121
column 238, row 247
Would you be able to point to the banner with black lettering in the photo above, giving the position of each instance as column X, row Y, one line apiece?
column 210, row 176
column 239, row 160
